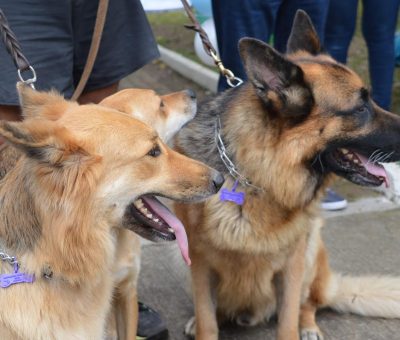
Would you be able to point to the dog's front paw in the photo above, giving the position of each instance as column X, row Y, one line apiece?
column 190, row 327
column 311, row 334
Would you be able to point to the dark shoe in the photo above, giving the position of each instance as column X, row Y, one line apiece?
column 333, row 201
column 150, row 325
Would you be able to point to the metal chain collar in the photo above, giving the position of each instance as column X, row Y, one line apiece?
column 230, row 166
column 7, row 258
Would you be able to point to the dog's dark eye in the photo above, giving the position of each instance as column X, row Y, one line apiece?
column 362, row 109
column 162, row 104
column 260, row 88
column 154, row 152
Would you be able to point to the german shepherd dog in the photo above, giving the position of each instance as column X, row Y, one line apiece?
column 84, row 168
column 300, row 119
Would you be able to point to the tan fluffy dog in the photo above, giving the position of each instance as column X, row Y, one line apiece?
column 81, row 169
column 167, row 114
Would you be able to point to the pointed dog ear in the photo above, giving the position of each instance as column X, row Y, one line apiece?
column 37, row 104
column 265, row 67
column 44, row 141
column 278, row 82
column 303, row 36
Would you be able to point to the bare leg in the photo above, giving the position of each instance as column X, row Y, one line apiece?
column 98, row 95
column 10, row 112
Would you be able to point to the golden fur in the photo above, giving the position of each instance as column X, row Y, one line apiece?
column 166, row 114
column 63, row 202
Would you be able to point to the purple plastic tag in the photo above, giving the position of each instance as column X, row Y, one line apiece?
column 232, row 195
column 6, row 280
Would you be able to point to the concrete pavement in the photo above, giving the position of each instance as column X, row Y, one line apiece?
column 365, row 243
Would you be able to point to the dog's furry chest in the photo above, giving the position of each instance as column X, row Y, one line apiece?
column 245, row 247
column 252, row 228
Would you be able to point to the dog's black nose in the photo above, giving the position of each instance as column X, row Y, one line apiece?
column 191, row 93
column 218, row 181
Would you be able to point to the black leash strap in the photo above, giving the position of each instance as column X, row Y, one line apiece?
column 14, row 49
column 209, row 48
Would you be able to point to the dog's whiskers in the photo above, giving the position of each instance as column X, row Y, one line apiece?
column 314, row 161
column 375, row 157
column 320, row 162
column 385, row 157
column 372, row 155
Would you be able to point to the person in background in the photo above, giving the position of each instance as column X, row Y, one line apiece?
column 270, row 21
column 379, row 19
column 261, row 19
column 55, row 37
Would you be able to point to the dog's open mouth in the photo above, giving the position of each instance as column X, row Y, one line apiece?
column 357, row 168
column 154, row 221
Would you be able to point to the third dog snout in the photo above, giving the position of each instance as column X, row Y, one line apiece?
column 190, row 93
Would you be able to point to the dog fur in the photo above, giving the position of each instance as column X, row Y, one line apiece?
column 62, row 203
column 300, row 119
column 166, row 114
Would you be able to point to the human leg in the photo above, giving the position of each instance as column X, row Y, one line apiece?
column 379, row 25
column 235, row 19
column 10, row 112
column 96, row 96
column 340, row 26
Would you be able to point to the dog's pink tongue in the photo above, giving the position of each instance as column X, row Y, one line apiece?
column 376, row 170
column 174, row 223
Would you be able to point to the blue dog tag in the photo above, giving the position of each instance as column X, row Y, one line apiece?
column 232, row 195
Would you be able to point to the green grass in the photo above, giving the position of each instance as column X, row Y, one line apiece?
column 169, row 30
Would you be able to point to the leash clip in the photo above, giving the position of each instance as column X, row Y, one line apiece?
column 29, row 81
column 227, row 73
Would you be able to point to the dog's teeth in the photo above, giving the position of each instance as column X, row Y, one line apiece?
column 138, row 203
column 149, row 215
column 171, row 230
column 344, row 151
column 156, row 220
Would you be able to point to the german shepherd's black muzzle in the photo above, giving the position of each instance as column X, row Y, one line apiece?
column 357, row 156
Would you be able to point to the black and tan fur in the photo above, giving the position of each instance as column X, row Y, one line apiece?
column 287, row 130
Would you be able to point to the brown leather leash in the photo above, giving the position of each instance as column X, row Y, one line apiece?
column 94, row 48
column 209, row 48
column 22, row 64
